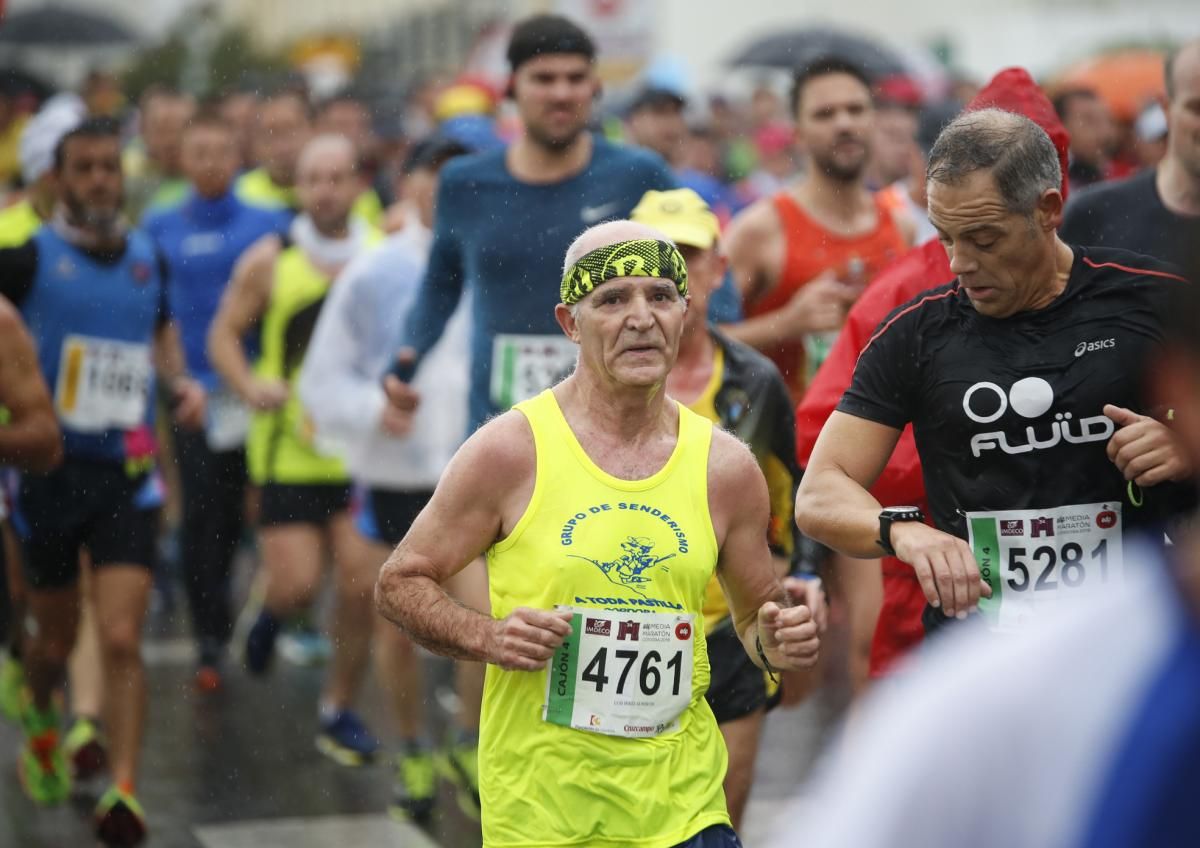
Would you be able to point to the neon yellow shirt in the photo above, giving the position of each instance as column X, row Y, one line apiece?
column 546, row 785
column 280, row 447
column 256, row 188
column 18, row 223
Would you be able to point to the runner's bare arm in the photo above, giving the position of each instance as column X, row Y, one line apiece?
column 187, row 395
column 481, row 496
column 244, row 302
column 751, row 238
column 834, row 507
column 760, row 606
column 30, row 438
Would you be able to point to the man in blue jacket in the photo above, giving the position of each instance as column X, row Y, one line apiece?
column 501, row 213
column 201, row 241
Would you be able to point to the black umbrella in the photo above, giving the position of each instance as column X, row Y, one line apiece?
column 15, row 82
column 54, row 25
column 795, row 48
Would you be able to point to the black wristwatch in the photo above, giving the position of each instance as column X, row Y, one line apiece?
column 890, row 516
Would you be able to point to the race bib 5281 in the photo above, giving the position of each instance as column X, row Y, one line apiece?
column 1036, row 559
column 621, row 674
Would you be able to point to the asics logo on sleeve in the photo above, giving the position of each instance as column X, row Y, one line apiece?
column 986, row 402
column 1099, row 344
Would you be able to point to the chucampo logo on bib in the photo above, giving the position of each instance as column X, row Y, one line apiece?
column 1031, row 397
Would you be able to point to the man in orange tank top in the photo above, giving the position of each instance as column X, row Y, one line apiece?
column 802, row 257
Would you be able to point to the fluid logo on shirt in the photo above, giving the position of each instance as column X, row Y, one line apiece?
column 633, row 567
column 1032, row 397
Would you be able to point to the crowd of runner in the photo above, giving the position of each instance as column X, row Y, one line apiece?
column 623, row 422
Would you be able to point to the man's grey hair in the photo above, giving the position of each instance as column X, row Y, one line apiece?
column 1020, row 156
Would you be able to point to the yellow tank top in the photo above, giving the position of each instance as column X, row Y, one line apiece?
column 280, row 446
column 588, row 539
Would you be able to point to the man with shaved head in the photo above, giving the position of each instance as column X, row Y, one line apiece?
column 1022, row 379
column 280, row 284
column 1156, row 211
column 603, row 508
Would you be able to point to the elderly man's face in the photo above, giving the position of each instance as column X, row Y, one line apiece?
column 628, row 330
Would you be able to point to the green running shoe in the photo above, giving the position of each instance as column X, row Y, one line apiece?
column 414, row 789
column 12, row 681
column 120, row 820
column 459, row 763
column 41, row 764
column 84, row 747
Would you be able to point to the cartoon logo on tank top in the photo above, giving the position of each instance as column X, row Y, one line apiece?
column 642, row 554
column 631, row 565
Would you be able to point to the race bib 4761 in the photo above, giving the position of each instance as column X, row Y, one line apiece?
column 621, row 674
column 1037, row 559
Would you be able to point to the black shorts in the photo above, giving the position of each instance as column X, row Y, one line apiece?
column 293, row 503
column 89, row 505
column 738, row 687
column 384, row 515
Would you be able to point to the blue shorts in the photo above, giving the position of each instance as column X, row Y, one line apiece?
column 717, row 836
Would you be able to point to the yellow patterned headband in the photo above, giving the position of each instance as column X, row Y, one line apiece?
column 637, row 258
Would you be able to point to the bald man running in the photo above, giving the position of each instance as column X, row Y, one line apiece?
column 281, row 284
column 603, row 508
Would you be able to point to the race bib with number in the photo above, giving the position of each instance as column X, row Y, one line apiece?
column 102, row 384
column 228, row 420
column 621, row 674
column 525, row 366
column 1036, row 559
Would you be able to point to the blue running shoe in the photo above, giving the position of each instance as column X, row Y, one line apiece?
column 346, row 740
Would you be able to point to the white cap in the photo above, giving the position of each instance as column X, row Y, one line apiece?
column 57, row 117
column 1151, row 125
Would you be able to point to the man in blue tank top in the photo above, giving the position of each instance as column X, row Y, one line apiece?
column 93, row 294
column 501, row 213
column 201, row 241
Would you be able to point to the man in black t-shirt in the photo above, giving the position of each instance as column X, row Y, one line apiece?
column 1022, row 381
column 1155, row 212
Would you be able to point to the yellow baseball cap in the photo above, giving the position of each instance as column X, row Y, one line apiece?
column 681, row 214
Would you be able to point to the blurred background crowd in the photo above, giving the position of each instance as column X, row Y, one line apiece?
column 714, row 104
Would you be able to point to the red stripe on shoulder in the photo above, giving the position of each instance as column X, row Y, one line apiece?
column 905, row 311
column 1147, row 271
